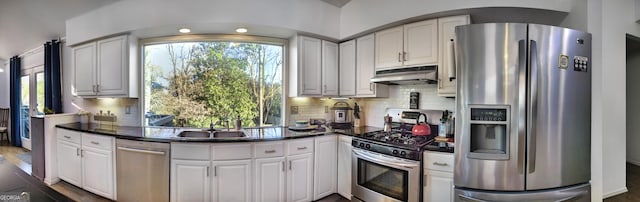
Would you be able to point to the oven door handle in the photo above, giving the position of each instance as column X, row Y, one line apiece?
column 384, row 160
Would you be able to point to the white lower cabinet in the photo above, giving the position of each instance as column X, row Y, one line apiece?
column 344, row 166
column 270, row 179
column 190, row 180
column 69, row 163
column 232, row 180
column 87, row 161
column 97, row 169
column 325, row 171
column 438, row 177
column 300, row 177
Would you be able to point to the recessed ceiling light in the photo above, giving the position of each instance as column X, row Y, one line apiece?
column 184, row 30
column 241, row 30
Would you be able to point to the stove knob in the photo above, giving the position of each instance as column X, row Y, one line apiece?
column 361, row 145
column 403, row 153
column 395, row 152
column 368, row 146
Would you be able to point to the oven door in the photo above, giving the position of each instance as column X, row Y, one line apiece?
column 378, row 177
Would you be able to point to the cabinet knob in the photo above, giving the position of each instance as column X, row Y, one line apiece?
column 399, row 56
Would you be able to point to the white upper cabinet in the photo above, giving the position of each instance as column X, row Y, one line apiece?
column 420, row 43
column 106, row 68
column 446, row 48
column 329, row 69
column 305, row 73
column 388, row 48
column 348, row 68
column 365, row 69
column 409, row 45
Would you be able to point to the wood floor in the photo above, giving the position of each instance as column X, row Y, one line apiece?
column 10, row 153
column 633, row 185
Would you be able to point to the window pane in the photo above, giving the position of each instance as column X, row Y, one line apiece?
column 24, row 107
column 40, row 93
column 195, row 83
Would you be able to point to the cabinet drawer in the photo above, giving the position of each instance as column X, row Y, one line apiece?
column 438, row 161
column 97, row 141
column 269, row 149
column 69, row 135
column 231, row 151
column 300, row 146
column 191, row 151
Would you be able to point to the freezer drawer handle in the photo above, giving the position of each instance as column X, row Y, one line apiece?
column 440, row 164
column 141, row 151
column 466, row 198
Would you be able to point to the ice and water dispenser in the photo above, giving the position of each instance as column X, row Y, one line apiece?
column 489, row 132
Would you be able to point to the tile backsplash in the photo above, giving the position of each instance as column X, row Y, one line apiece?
column 373, row 109
column 117, row 106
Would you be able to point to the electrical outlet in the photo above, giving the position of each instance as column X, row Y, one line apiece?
column 326, row 109
column 294, row 109
column 127, row 109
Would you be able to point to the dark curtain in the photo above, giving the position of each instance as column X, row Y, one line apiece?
column 14, row 96
column 52, row 90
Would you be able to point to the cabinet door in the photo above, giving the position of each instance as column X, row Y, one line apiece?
column 269, row 179
column 232, row 180
column 365, row 69
column 69, row 163
column 446, row 48
column 325, row 166
column 329, row 69
column 438, row 186
column 344, row 166
column 112, row 66
column 309, row 65
column 190, row 180
column 300, row 177
column 97, row 171
column 388, row 48
column 84, row 66
column 421, row 43
column 348, row 68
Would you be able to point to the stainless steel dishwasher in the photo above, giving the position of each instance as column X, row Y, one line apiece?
column 142, row 170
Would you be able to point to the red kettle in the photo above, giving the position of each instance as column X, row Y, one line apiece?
column 421, row 128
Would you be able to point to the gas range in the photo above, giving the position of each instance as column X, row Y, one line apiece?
column 399, row 142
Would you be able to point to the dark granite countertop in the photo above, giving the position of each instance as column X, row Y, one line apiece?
column 169, row 134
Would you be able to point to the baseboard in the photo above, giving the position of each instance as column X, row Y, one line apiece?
column 613, row 193
column 634, row 162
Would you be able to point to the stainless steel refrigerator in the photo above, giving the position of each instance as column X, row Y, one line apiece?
column 523, row 131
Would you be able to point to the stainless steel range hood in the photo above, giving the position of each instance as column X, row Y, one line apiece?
column 406, row 76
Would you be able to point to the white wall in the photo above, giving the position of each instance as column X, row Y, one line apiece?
column 4, row 84
column 311, row 16
column 360, row 15
column 633, row 110
column 609, row 23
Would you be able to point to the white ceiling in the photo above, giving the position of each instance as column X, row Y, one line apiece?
column 27, row 24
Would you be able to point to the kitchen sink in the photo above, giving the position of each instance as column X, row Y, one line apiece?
column 195, row 134
column 222, row 134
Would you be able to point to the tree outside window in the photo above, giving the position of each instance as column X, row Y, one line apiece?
column 194, row 83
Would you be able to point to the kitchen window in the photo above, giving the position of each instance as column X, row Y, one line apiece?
column 193, row 83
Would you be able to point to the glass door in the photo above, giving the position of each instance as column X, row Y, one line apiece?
column 32, row 101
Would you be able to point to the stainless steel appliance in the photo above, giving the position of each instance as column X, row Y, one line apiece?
column 142, row 170
column 524, row 108
column 409, row 75
column 342, row 119
column 387, row 165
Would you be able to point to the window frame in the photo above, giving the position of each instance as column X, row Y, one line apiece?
column 214, row 38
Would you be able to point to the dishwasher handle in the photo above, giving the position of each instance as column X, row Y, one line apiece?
column 142, row 151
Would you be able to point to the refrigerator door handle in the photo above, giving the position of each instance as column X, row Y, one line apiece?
column 533, row 53
column 522, row 104
column 467, row 198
